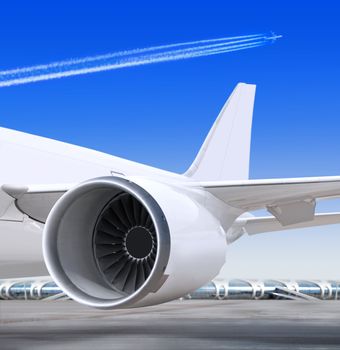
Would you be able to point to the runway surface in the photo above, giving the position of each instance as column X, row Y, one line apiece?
column 177, row 325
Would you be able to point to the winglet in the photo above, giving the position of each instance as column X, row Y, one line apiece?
column 225, row 152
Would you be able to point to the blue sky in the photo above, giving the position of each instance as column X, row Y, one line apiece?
column 160, row 114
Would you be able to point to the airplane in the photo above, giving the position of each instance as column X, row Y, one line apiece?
column 118, row 234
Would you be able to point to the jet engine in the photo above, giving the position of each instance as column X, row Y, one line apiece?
column 113, row 242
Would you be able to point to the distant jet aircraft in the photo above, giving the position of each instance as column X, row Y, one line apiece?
column 118, row 234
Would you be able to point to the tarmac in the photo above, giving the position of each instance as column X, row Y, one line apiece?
column 187, row 324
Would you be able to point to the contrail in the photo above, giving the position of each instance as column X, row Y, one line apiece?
column 123, row 64
column 126, row 53
column 131, row 58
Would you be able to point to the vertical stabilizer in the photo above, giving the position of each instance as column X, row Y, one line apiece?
column 225, row 152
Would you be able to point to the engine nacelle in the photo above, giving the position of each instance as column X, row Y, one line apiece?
column 113, row 243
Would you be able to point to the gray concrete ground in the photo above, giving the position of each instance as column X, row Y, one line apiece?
column 177, row 325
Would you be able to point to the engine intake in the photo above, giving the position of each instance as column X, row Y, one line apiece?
column 106, row 243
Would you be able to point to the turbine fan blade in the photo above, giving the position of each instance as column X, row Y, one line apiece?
column 107, row 225
column 128, row 210
column 106, row 262
column 136, row 210
column 120, row 211
column 106, row 238
column 130, row 283
column 140, row 275
column 143, row 216
column 114, row 217
column 123, row 275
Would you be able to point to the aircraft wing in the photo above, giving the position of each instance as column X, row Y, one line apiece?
column 291, row 201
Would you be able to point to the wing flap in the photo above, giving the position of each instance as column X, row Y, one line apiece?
column 293, row 212
column 33, row 201
column 254, row 225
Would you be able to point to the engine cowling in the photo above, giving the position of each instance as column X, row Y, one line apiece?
column 113, row 243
